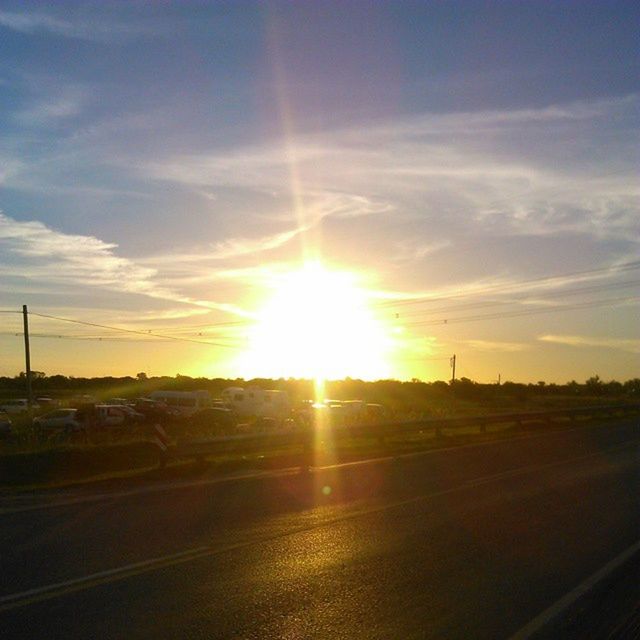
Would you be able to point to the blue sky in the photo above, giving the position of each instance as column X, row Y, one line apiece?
column 161, row 163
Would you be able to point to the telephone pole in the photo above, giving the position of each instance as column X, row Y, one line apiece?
column 27, row 355
column 453, row 368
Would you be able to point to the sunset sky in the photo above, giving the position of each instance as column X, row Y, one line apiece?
column 316, row 187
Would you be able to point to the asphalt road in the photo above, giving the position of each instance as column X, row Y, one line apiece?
column 472, row 542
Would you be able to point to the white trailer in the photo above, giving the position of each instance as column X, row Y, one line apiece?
column 185, row 403
column 260, row 403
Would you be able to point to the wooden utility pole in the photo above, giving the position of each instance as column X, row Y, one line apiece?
column 27, row 355
column 453, row 368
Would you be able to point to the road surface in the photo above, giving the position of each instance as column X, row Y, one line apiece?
column 471, row 542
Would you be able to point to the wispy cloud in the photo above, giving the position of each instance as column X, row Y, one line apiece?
column 34, row 251
column 66, row 104
column 319, row 205
column 408, row 191
column 491, row 345
column 31, row 22
column 477, row 121
column 416, row 249
column 484, row 170
column 619, row 344
column 54, row 255
column 237, row 247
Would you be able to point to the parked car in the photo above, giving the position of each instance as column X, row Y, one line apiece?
column 102, row 415
column 15, row 407
column 82, row 400
column 46, row 402
column 155, row 410
column 5, row 426
column 131, row 415
column 59, row 419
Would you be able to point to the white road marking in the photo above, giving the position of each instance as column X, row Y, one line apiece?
column 560, row 606
column 127, row 568
column 51, row 591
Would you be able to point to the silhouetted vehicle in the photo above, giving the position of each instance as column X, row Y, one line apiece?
column 66, row 418
column 131, row 416
column 118, row 401
column 5, row 426
column 184, row 403
column 47, row 403
column 82, row 400
column 60, row 423
column 155, row 410
column 16, row 406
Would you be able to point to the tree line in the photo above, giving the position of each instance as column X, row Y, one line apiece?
column 394, row 393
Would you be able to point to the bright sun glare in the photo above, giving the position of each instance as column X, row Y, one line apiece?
column 317, row 325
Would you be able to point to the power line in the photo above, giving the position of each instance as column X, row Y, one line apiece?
column 229, row 323
column 59, row 336
column 100, row 336
column 628, row 266
column 527, row 312
column 132, row 331
column 553, row 294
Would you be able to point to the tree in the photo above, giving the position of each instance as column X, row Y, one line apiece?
column 142, row 376
column 632, row 387
column 594, row 385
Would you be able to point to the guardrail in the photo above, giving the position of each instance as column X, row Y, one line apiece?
column 307, row 439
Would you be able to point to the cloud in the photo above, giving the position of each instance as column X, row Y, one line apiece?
column 65, row 105
column 236, row 247
column 504, row 347
column 101, row 29
column 320, row 205
column 54, row 255
column 409, row 192
column 37, row 252
column 516, row 172
column 415, row 249
column 478, row 121
column 619, row 344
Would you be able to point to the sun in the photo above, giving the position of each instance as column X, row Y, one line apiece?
column 316, row 325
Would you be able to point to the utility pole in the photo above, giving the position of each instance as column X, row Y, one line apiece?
column 453, row 367
column 27, row 355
